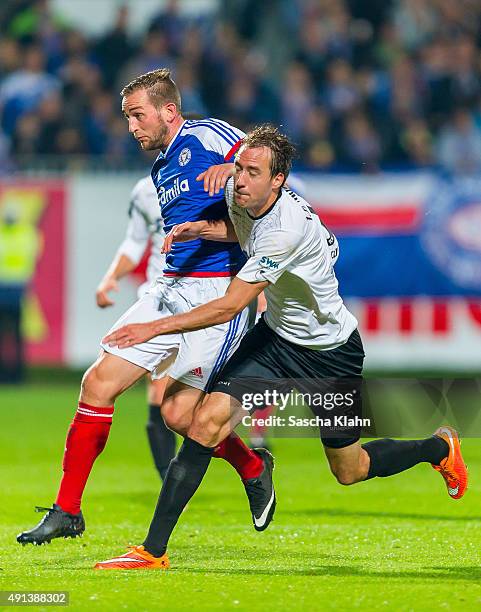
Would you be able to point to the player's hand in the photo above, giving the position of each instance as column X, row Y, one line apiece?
column 102, row 294
column 183, row 232
column 128, row 335
column 216, row 177
column 261, row 303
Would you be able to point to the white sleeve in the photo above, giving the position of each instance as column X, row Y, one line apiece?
column 273, row 254
column 137, row 235
column 229, row 192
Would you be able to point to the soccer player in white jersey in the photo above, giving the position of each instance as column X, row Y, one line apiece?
column 306, row 338
column 195, row 272
column 145, row 223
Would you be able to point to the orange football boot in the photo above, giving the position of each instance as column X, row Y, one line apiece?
column 137, row 558
column 452, row 468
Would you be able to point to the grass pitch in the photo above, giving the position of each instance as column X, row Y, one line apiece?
column 388, row 544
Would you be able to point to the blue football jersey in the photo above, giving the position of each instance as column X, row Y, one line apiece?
column 198, row 145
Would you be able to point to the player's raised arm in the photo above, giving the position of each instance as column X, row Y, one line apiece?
column 220, row 230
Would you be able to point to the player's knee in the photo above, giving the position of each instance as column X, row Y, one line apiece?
column 88, row 384
column 96, row 387
column 205, row 429
column 174, row 418
column 345, row 475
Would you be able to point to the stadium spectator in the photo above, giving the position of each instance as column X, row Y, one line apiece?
column 173, row 25
column 405, row 63
column 24, row 89
column 153, row 53
column 415, row 21
column 114, row 48
column 315, row 143
column 38, row 22
column 361, row 145
column 20, row 245
column 459, row 145
column 297, row 98
column 416, row 143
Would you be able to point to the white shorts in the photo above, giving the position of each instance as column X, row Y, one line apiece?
column 193, row 358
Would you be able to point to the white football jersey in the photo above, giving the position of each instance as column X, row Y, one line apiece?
column 290, row 247
column 145, row 221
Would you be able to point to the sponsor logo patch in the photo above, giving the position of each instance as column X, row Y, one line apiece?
column 167, row 195
column 269, row 263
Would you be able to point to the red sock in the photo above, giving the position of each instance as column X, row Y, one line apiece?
column 247, row 462
column 260, row 431
column 86, row 439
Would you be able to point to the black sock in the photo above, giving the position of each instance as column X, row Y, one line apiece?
column 161, row 440
column 390, row 457
column 183, row 477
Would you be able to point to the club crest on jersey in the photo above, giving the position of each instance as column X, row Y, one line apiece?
column 184, row 157
column 167, row 195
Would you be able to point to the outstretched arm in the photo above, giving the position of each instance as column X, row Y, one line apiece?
column 221, row 230
column 214, row 179
column 221, row 310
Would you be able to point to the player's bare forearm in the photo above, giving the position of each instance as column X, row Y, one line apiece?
column 120, row 267
column 216, row 177
column 221, row 310
column 238, row 296
column 220, row 230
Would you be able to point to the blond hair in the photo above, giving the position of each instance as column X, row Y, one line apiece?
column 159, row 85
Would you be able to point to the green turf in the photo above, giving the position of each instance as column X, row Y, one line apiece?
column 388, row 544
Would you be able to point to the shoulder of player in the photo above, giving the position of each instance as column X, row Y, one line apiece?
column 144, row 186
column 144, row 199
column 213, row 134
column 277, row 239
column 295, row 208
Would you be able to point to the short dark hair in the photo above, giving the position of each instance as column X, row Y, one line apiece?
column 282, row 149
column 159, row 85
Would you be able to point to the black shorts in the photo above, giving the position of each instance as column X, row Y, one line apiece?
column 266, row 361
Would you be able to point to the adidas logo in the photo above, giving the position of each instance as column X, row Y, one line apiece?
column 197, row 372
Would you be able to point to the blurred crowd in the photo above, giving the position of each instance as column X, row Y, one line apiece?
column 358, row 84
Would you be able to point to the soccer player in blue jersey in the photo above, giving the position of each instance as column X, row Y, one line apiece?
column 196, row 272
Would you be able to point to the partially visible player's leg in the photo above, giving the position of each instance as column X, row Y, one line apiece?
column 114, row 372
column 202, row 355
column 258, row 433
column 211, row 424
column 180, row 403
column 349, row 464
column 183, row 477
column 386, row 457
column 161, row 438
column 103, row 382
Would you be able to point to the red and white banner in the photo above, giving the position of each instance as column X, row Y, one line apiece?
column 408, row 266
